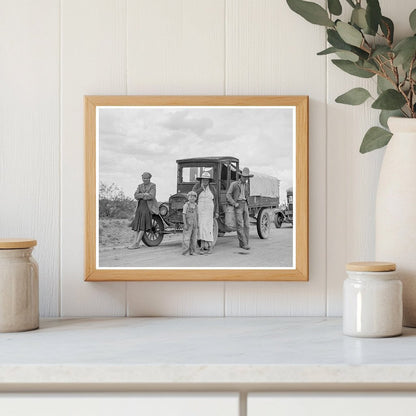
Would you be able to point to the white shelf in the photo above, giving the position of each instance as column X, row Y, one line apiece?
column 207, row 352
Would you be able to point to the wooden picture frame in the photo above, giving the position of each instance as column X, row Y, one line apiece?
column 299, row 267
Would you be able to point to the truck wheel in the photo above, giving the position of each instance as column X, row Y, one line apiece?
column 278, row 220
column 154, row 236
column 263, row 223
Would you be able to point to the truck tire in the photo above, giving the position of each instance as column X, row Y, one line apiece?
column 278, row 220
column 154, row 236
column 263, row 223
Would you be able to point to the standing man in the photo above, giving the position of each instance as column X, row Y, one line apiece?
column 237, row 196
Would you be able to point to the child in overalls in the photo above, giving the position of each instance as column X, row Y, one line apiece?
column 190, row 224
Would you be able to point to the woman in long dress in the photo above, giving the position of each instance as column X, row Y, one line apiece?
column 207, row 211
column 146, row 206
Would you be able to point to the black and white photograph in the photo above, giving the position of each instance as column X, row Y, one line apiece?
column 196, row 187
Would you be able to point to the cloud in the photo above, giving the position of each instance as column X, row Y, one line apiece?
column 182, row 120
column 219, row 137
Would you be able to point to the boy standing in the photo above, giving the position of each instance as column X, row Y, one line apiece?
column 190, row 224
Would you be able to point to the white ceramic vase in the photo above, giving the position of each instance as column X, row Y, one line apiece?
column 396, row 210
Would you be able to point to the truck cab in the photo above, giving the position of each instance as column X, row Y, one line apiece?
column 223, row 171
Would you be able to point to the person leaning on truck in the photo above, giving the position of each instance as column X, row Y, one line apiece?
column 146, row 206
column 237, row 196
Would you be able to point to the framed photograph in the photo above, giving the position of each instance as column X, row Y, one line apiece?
column 196, row 188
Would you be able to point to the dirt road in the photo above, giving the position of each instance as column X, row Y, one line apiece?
column 276, row 251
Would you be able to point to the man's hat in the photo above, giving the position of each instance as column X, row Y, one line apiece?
column 246, row 173
column 205, row 175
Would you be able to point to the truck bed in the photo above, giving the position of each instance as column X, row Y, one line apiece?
column 262, row 201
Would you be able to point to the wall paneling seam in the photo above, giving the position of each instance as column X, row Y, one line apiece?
column 60, row 67
column 224, row 287
column 126, row 91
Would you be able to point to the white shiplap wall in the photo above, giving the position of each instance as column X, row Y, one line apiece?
column 55, row 52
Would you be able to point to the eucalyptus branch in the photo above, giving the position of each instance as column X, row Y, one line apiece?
column 406, row 97
column 395, row 71
column 384, row 74
column 368, row 34
column 412, row 85
column 366, row 43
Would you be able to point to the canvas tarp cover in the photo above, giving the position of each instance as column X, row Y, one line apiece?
column 264, row 185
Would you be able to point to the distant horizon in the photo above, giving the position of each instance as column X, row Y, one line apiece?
column 281, row 201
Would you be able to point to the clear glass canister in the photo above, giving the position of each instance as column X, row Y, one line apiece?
column 19, row 286
column 372, row 300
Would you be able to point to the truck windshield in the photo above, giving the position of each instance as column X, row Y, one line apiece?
column 191, row 173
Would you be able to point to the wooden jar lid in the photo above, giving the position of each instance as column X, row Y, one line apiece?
column 10, row 243
column 371, row 266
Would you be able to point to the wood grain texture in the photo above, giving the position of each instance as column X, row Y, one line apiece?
column 352, row 178
column 93, row 61
column 370, row 266
column 301, row 213
column 29, row 135
column 12, row 243
column 262, row 60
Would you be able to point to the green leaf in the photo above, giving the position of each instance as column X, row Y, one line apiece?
column 383, row 84
column 352, row 68
column 334, row 7
column 358, row 18
column 327, row 51
column 389, row 100
column 349, row 34
column 356, row 96
column 405, row 50
column 348, row 56
column 370, row 65
column 375, row 138
column 381, row 50
column 311, row 12
column 387, row 27
column 373, row 15
column 386, row 114
column 336, row 41
column 412, row 20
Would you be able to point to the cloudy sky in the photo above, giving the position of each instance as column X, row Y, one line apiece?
column 133, row 140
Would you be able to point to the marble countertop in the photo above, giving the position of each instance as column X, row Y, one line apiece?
column 204, row 351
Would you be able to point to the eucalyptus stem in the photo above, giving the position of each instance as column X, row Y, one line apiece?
column 411, row 89
column 369, row 48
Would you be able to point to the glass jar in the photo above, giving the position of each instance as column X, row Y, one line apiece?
column 19, row 286
column 372, row 300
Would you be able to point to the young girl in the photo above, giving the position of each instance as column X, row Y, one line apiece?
column 190, row 224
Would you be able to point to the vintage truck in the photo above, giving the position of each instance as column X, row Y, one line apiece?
column 285, row 215
column 264, row 198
